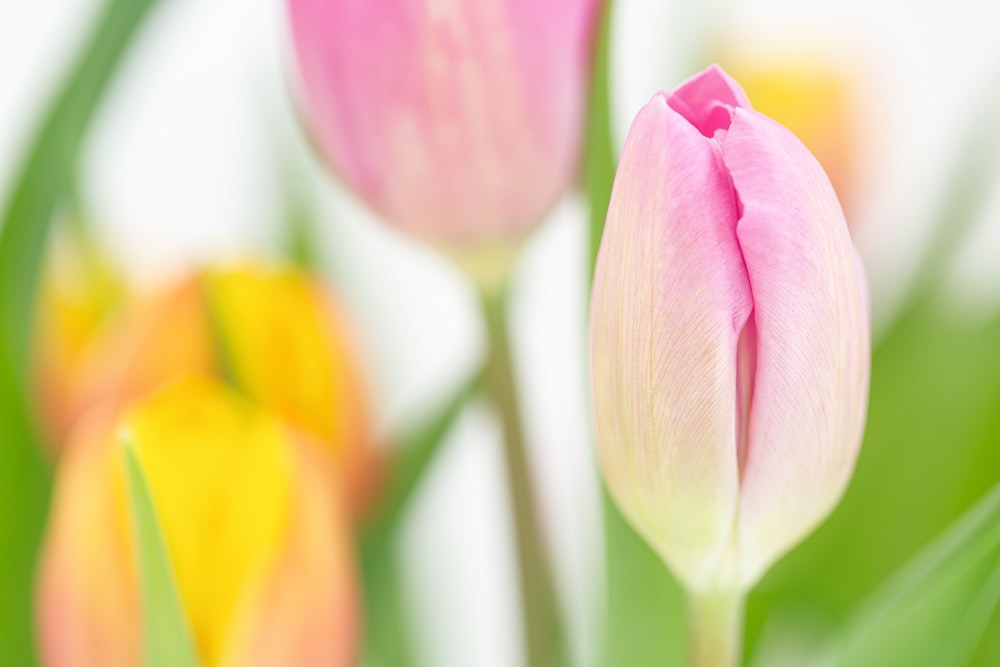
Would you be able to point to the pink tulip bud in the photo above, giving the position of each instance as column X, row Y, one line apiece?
column 458, row 121
column 730, row 341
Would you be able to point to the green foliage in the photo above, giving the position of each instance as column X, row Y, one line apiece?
column 166, row 638
column 935, row 610
column 930, row 451
column 44, row 180
column 646, row 615
column 387, row 638
column 600, row 162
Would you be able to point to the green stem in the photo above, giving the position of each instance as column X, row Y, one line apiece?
column 599, row 163
column 716, row 619
column 542, row 623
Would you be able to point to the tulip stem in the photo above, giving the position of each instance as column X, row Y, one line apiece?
column 540, row 612
column 716, row 623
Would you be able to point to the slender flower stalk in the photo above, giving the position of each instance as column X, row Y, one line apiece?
column 716, row 624
column 542, row 621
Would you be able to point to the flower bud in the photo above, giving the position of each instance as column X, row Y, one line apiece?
column 261, row 556
column 730, row 344
column 458, row 121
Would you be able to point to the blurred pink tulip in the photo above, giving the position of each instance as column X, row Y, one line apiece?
column 459, row 121
column 730, row 340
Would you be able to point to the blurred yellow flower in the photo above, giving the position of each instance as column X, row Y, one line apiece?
column 274, row 331
column 81, row 294
column 261, row 555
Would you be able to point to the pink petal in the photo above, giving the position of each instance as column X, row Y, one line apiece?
column 670, row 300
column 459, row 121
column 707, row 100
column 811, row 317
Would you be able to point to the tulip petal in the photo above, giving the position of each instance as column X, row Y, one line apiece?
column 87, row 605
column 813, row 352
column 307, row 613
column 213, row 461
column 670, row 300
column 292, row 349
column 707, row 100
column 459, row 121
column 260, row 553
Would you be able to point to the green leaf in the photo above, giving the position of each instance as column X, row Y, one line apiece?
column 411, row 458
column 646, row 614
column 43, row 181
column 299, row 234
column 935, row 610
column 222, row 351
column 46, row 176
column 166, row 638
column 600, row 162
column 24, row 490
column 388, row 642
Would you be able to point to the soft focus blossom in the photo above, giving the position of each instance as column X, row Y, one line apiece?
column 729, row 336
column 458, row 121
column 260, row 552
column 80, row 297
column 278, row 334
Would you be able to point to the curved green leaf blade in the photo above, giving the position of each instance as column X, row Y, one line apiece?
column 935, row 611
column 42, row 183
column 166, row 636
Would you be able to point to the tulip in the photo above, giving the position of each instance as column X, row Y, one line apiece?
column 79, row 296
column 457, row 121
column 282, row 338
column 261, row 557
column 730, row 343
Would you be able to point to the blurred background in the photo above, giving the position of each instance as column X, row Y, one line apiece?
column 196, row 155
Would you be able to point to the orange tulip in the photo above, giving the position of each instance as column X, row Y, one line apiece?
column 80, row 296
column 261, row 556
column 276, row 333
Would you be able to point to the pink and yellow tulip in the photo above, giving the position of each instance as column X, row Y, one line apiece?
column 260, row 549
column 729, row 336
column 277, row 331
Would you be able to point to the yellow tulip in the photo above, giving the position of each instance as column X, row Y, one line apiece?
column 80, row 295
column 261, row 555
column 280, row 335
